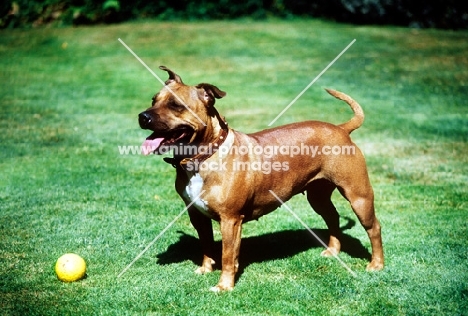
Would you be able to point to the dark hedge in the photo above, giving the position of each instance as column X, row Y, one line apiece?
column 448, row 14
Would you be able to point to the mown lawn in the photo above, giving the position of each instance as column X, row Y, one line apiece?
column 70, row 97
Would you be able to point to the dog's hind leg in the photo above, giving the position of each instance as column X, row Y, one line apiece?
column 319, row 197
column 361, row 198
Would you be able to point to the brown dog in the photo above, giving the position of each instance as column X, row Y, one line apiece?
column 230, row 177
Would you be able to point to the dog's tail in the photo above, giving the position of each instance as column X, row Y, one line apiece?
column 358, row 117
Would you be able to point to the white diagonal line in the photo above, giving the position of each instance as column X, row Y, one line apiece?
column 162, row 82
column 158, row 236
column 311, row 83
column 313, row 234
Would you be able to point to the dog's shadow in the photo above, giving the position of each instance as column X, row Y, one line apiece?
column 257, row 249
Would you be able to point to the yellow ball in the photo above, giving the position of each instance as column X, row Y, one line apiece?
column 70, row 267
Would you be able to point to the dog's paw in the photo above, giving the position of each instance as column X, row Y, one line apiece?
column 206, row 267
column 375, row 266
column 329, row 252
column 226, row 283
column 220, row 288
column 203, row 270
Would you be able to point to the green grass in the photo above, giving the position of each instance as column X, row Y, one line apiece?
column 69, row 97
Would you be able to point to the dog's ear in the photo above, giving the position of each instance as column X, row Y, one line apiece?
column 208, row 93
column 172, row 75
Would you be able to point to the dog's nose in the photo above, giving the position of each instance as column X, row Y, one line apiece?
column 145, row 120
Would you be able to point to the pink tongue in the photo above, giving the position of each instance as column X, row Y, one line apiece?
column 150, row 145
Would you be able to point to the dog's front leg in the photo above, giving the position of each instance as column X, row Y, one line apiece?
column 231, row 229
column 205, row 233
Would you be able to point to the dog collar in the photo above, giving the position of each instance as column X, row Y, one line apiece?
column 202, row 157
column 199, row 158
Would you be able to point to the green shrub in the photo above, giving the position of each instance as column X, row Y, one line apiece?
column 417, row 13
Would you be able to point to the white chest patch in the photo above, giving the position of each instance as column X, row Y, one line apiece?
column 192, row 192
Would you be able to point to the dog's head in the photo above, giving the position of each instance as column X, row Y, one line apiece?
column 179, row 114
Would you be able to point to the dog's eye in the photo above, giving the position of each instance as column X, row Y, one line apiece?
column 176, row 106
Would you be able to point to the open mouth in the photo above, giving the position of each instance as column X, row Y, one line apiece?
column 160, row 142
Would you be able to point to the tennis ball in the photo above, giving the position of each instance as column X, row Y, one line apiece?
column 70, row 267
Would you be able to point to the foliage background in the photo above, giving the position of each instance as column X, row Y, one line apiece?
column 449, row 14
